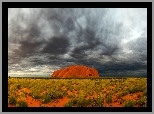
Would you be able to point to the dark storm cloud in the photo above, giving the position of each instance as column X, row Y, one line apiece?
column 56, row 45
column 61, row 21
column 139, row 47
column 27, row 48
column 90, row 42
column 101, row 38
column 114, row 68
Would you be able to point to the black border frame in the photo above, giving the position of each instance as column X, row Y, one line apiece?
column 6, row 5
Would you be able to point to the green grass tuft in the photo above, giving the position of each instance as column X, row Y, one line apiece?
column 21, row 104
column 12, row 100
column 129, row 103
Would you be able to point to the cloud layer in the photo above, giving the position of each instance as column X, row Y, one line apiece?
column 114, row 41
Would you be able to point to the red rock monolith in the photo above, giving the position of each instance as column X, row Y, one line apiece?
column 75, row 71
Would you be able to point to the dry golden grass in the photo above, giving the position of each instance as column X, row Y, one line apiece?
column 129, row 92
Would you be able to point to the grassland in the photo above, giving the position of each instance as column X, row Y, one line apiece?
column 124, row 92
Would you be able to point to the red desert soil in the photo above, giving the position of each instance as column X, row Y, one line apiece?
column 58, row 103
column 33, row 102
column 11, row 86
column 76, row 71
column 71, row 93
column 132, row 96
column 119, row 102
column 64, row 88
column 20, row 91
column 61, row 102
column 37, row 102
column 26, row 90
column 92, row 96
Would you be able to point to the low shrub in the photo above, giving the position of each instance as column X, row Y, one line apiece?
column 145, row 92
column 83, row 102
column 98, row 102
column 123, row 94
column 142, row 101
column 36, row 96
column 129, row 103
column 135, row 89
column 46, row 98
column 12, row 100
column 109, row 98
column 21, row 104
column 68, row 104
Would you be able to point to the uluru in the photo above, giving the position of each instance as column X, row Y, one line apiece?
column 75, row 71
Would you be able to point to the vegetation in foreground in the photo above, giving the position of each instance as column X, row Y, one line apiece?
column 124, row 92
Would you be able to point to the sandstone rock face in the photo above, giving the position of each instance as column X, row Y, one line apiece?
column 75, row 71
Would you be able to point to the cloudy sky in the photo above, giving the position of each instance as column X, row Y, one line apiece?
column 114, row 41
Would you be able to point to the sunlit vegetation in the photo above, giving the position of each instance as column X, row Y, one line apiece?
column 109, row 98
column 142, row 101
column 21, row 103
column 129, row 103
column 127, row 92
column 12, row 100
